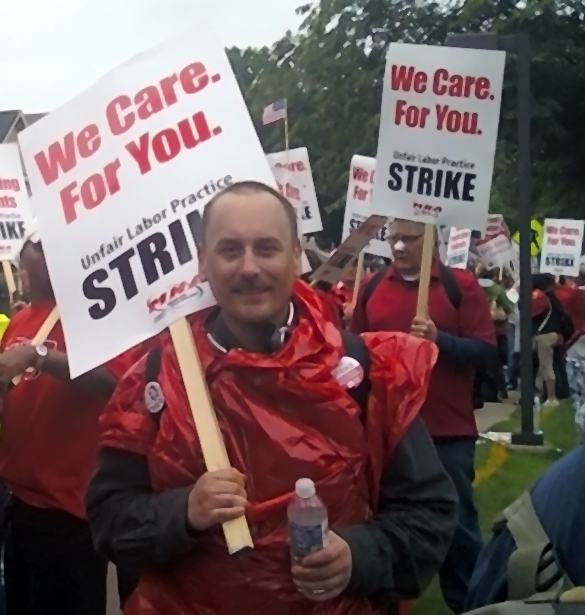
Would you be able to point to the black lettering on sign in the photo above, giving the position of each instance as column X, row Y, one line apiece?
column 180, row 241
column 12, row 230
column 105, row 297
column 122, row 264
column 156, row 258
column 425, row 181
column 152, row 250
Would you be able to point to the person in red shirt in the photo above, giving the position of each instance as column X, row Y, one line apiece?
column 343, row 292
column 48, row 446
column 460, row 324
column 294, row 397
column 572, row 299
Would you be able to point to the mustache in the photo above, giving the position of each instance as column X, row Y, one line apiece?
column 248, row 286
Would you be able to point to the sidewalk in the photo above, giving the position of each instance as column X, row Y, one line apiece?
column 491, row 414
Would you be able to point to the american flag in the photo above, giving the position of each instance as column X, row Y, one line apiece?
column 274, row 112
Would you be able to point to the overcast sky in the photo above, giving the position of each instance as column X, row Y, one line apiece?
column 52, row 49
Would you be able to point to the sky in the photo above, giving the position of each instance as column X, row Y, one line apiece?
column 50, row 50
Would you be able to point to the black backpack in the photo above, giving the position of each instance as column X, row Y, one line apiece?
column 445, row 274
column 353, row 345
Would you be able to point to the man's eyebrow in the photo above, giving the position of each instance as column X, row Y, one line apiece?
column 268, row 238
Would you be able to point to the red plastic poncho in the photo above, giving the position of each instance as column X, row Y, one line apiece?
column 283, row 417
column 342, row 295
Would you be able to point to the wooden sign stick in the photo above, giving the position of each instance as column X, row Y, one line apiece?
column 236, row 532
column 9, row 277
column 422, row 305
column 358, row 278
column 42, row 334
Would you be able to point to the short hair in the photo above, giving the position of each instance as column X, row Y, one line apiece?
column 252, row 186
column 542, row 281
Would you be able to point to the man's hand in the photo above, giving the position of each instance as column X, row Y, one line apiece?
column 217, row 497
column 348, row 312
column 424, row 328
column 325, row 574
column 16, row 361
column 16, row 307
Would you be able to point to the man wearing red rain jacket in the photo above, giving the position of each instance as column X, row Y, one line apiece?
column 286, row 411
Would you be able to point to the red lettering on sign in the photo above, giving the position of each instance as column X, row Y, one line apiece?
column 404, row 79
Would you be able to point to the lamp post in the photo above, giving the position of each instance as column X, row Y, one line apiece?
column 520, row 44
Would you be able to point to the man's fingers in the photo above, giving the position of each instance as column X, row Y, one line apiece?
column 322, row 587
column 221, row 515
column 224, row 500
column 321, row 558
column 317, row 575
column 229, row 488
column 230, row 475
column 323, row 597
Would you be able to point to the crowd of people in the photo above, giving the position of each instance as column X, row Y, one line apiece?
column 94, row 474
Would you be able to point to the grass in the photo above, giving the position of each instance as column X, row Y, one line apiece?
column 518, row 472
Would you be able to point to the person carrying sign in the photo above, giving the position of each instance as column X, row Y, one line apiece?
column 459, row 323
column 343, row 292
column 287, row 408
column 47, row 455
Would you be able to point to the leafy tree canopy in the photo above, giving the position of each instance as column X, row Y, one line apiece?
column 331, row 72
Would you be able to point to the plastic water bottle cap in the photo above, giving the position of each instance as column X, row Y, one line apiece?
column 305, row 488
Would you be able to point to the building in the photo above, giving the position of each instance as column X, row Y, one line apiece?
column 12, row 122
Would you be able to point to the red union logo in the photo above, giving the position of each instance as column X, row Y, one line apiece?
column 176, row 294
column 427, row 208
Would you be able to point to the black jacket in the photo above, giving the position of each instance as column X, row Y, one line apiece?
column 395, row 554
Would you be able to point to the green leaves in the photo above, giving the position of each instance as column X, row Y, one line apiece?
column 331, row 72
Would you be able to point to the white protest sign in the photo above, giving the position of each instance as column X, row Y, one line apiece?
column 458, row 248
column 443, row 234
column 495, row 252
column 357, row 205
column 14, row 204
column 438, row 129
column 120, row 176
column 340, row 260
column 561, row 247
column 292, row 171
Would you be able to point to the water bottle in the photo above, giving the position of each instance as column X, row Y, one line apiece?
column 307, row 521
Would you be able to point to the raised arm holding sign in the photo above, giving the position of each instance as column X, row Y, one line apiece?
column 120, row 175
column 440, row 114
column 438, row 129
column 14, row 210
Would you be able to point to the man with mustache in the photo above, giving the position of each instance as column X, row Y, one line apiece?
column 294, row 398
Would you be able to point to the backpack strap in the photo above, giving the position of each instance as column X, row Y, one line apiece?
column 534, row 572
column 372, row 284
column 447, row 280
column 450, row 285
